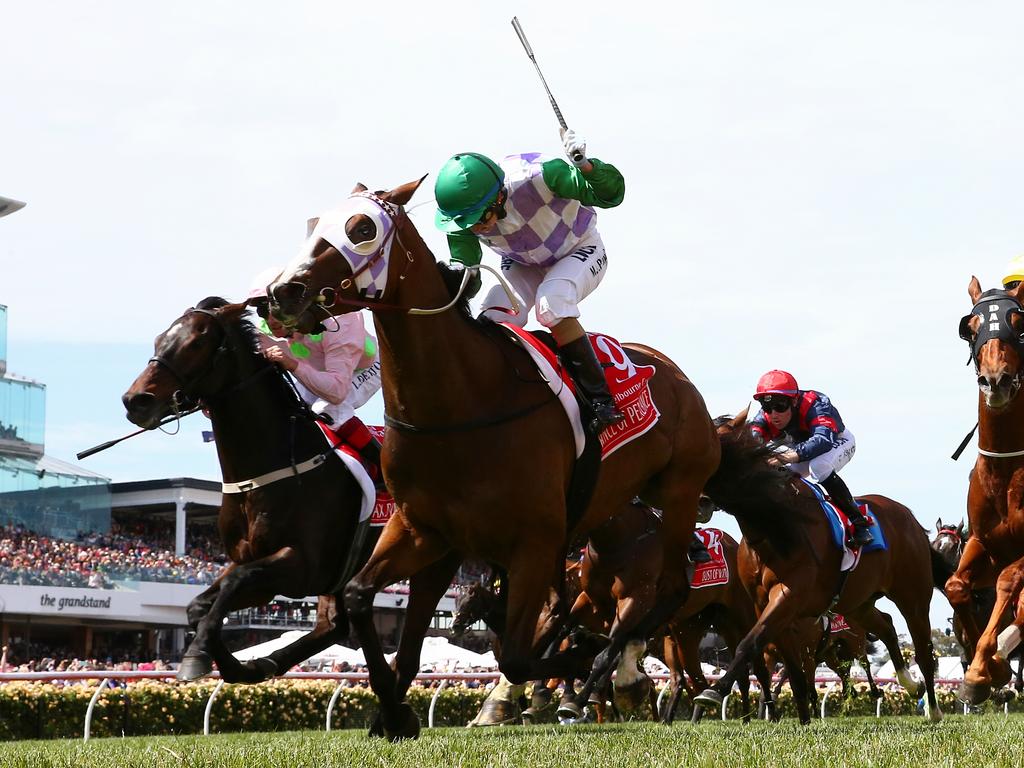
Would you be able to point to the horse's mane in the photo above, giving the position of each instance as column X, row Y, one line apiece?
column 756, row 493
column 250, row 337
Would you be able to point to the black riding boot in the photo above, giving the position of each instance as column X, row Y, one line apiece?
column 698, row 553
column 843, row 499
column 579, row 358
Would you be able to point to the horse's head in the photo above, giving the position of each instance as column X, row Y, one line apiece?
column 350, row 255
column 190, row 362
column 727, row 425
column 995, row 331
column 949, row 542
column 471, row 605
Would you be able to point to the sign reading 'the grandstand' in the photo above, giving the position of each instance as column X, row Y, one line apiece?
column 155, row 603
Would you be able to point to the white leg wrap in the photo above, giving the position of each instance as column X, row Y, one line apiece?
column 1009, row 639
column 505, row 691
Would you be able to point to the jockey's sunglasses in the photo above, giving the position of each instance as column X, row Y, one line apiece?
column 775, row 403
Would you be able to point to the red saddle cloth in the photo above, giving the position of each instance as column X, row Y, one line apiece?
column 385, row 503
column 628, row 383
column 716, row 571
column 837, row 623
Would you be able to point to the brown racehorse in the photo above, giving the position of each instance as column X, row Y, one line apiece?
column 478, row 454
column 995, row 501
column 287, row 537
column 782, row 520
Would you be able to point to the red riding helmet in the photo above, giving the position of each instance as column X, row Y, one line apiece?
column 777, row 383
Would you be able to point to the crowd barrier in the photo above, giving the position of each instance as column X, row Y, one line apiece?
column 106, row 677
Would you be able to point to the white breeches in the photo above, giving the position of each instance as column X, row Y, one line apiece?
column 820, row 467
column 554, row 291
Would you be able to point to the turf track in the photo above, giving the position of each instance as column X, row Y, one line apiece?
column 961, row 742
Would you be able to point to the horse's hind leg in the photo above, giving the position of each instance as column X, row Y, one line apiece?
column 920, row 632
column 197, row 662
column 400, row 554
column 879, row 623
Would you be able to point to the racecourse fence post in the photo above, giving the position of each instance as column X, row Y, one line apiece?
column 967, row 708
column 878, row 705
column 209, row 708
column 433, row 703
column 725, row 705
column 824, row 698
column 334, row 700
column 92, row 705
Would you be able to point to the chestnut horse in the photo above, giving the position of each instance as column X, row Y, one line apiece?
column 782, row 520
column 287, row 537
column 478, row 455
column 994, row 553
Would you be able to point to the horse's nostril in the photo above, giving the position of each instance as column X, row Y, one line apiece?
column 137, row 401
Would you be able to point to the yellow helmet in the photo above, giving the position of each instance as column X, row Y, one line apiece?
column 1014, row 271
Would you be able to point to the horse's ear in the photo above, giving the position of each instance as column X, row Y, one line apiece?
column 403, row 194
column 359, row 187
column 974, row 289
column 311, row 225
column 960, row 529
column 938, row 525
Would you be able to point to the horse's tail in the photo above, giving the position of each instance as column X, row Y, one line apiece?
column 758, row 494
column 941, row 570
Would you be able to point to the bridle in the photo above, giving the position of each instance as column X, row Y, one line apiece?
column 396, row 215
column 953, row 533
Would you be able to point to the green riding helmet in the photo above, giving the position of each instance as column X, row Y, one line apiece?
column 466, row 185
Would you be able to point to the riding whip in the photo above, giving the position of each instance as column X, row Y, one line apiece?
column 577, row 156
column 111, row 443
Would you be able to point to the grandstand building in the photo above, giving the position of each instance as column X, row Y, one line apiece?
column 98, row 570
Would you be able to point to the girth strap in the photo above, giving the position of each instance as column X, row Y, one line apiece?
column 274, row 476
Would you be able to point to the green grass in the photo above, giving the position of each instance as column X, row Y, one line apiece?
column 971, row 742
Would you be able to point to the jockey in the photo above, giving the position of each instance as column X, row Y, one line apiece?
column 1014, row 273
column 537, row 214
column 819, row 444
column 335, row 371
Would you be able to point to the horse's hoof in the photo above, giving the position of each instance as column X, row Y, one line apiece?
column 533, row 712
column 1004, row 695
column 376, row 728
column 194, row 666
column 975, row 693
column 634, row 695
column 1000, row 671
column 709, row 698
column 408, row 728
column 569, row 710
column 497, row 712
column 258, row 670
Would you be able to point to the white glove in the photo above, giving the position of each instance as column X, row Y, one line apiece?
column 575, row 148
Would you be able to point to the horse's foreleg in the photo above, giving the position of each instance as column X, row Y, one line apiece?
column 989, row 668
column 880, row 624
column 974, row 571
column 247, row 585
column 794, row 658
column 426, row 589
column 778, row 613
column 921, row 634
column 197, row 662
column 327, row 632
column 400, row 553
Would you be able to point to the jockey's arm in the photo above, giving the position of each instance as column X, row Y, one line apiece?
column 342, row 351
column 603, row 186
column 822, row 440
column 464, row 248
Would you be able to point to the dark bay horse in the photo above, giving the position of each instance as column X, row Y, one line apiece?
column 478, row 454
column 290, row 536
column 994, row 553
column 782, row 520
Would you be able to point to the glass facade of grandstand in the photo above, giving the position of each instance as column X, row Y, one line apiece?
column 41, row 494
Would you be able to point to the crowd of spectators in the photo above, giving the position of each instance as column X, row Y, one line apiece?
column 134, row 552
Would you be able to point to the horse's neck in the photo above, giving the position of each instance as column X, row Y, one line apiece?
column 1001, row 431
column 252, row 429
column 435, row 367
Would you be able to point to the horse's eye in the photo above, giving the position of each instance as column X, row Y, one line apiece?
column 366, row 229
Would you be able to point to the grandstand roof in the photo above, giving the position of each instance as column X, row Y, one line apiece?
column 50, row 466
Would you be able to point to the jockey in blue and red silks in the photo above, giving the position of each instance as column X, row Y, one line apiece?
column 818, row 443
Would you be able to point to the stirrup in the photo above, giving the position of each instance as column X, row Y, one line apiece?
column 862, row 535
column 698, row 553
column 605, row 415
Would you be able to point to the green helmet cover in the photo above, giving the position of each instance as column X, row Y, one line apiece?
column 465, row 186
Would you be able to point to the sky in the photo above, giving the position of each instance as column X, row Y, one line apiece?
column 809, row 186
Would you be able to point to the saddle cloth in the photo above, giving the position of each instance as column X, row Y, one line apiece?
column 377, row 507
column 627, row 382
column 716, row 571
column 842, row 528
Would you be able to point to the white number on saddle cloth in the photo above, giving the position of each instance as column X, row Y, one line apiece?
column 716, row 571
column 629, row 385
